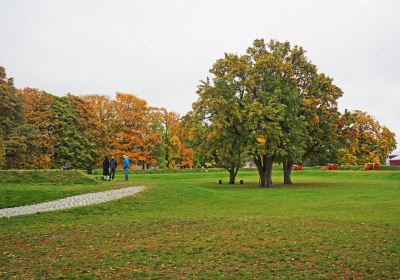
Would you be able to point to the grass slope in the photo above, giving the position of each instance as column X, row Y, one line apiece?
column 23, row 187
column 48, row 176
column 335, row 224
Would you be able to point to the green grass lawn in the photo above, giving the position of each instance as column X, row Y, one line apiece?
column 23, row 187
column 333, row 224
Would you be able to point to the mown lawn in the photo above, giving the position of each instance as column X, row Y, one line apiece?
column 335, row 224
column 23, row 187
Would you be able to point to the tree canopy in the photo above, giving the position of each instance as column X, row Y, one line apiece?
column 273, row 105
column 270, row 105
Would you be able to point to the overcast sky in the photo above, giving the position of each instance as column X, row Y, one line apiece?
column 159, row 50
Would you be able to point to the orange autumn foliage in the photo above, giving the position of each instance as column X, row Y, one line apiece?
column 177, row 133
column 38, row 113
column 134, row 136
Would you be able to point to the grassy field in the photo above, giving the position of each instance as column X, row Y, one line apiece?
column 333, row 224
column 22, row 187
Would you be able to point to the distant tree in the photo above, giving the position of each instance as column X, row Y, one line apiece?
column 72, row 147
column 195, row 129
column 129, row 126
column 363, row 139
column 159, row 150
column 16, row 134
column 186, row 133
column 11, row 113
column 153, row 138
column 134, row 136
column 38, row 111
column 105, row 121
column 2, row 152
column 91, row 133
column 176, row 136
column 171, row 125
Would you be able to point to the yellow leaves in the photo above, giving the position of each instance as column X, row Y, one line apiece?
column 364, row 139
column 346, row 158
column 261, row 139
column 311, row 101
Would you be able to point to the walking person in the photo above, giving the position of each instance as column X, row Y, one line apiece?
column 113, row 166
column 125, row 165
column 106, row 169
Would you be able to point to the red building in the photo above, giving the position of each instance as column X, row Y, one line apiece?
column 394, row 161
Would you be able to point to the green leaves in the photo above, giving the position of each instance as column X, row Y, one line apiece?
column 73, row 146
column 274, row 93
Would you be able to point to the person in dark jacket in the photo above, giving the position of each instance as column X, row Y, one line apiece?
column 113, row 166
column 106, row 169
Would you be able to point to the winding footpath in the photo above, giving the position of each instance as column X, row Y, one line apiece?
column 69, row 202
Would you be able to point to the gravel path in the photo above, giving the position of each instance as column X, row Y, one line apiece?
column 69, row 202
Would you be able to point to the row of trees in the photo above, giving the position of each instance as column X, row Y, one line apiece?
column 272, row 105
column 40, row 130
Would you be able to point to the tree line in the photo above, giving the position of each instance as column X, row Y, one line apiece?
column 270, row 105
column 41, row 130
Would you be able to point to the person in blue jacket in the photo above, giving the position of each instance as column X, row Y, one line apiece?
column 125, row 165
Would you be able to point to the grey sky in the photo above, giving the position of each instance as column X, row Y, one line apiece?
column 159, row 50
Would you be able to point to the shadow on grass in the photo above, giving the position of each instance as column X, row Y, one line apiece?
column 256, row 186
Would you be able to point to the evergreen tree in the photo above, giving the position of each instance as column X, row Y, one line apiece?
column 71, row 148
column 17, row 136
column 93, row 141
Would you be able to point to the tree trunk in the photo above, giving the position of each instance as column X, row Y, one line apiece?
column 232, row 176
column 263, row 179
column 261, row 173
column 233, row 170
column 268, row 164
column 287, row 171
column 264, row 166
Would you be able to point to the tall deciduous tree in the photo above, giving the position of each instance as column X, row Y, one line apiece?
column 287, row 110
column 175, row 138
column 220, row 110
column 316, row 140
column 38, row 111
column 104, row 120
column 273, row 82
column 134, row 136
column 363, row 139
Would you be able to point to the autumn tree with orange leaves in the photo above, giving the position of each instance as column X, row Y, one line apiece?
column 176, row 136
column 134, row 135
column 37, row 107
